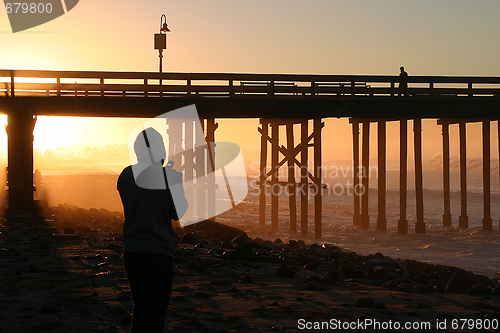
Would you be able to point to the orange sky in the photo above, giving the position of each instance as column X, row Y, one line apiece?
column 447, row 37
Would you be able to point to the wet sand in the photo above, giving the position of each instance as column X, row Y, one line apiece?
column 76, row 283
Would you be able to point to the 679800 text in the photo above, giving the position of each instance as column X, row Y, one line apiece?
column 28, row 8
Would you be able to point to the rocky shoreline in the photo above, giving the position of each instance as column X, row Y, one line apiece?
column 339, row 264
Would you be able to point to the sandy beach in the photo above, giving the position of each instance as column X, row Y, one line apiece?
column 65, row 274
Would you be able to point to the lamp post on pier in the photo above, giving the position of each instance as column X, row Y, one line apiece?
column 161, row 43
column 161, row 39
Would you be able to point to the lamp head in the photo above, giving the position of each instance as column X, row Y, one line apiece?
column 164, row 28
column 163, row 24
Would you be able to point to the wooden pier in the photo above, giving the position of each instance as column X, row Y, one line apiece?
column 281, row 101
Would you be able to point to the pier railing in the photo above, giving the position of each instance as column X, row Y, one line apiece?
column 231, row 85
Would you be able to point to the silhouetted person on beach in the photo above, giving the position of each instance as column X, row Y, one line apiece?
column 403, row 81
column 148, row 192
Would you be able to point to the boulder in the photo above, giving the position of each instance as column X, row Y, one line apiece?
column 246, row 251
column 189, row 238
column 480, row 289
column 406, row 287
column 70, row 231
column 240, row 239
column 313, row 278
column 316, row 286
column 382, row 273
column 361, row 274
column 285, row 271
column 329, row 280
column 213, row 228
column 396, row 282
column 458, row 283
column 310, row 267
column 347, row 271
column 483, row 279
column 365, row 302
column 421, row 289
column 378, row 262
column 333, row 273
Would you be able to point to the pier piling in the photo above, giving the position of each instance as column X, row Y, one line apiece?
column 365, row 175
column 463, row 219
column 264, row 132
column 356, row 217
column 304, row 186
column 446, row 173
column 274, row 174
column 403, row 164
column 487, row 222
column 318, row 188
column 419, row 191
column 292, row 200
column 200, row 168
column 382, row 156
column 211, row 127
column 21, row 124
column 189, row 167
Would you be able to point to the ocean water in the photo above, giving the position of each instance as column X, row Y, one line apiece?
column 472, row 249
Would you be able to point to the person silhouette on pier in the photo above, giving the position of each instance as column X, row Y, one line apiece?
column 403, row 81
column 152, row 196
